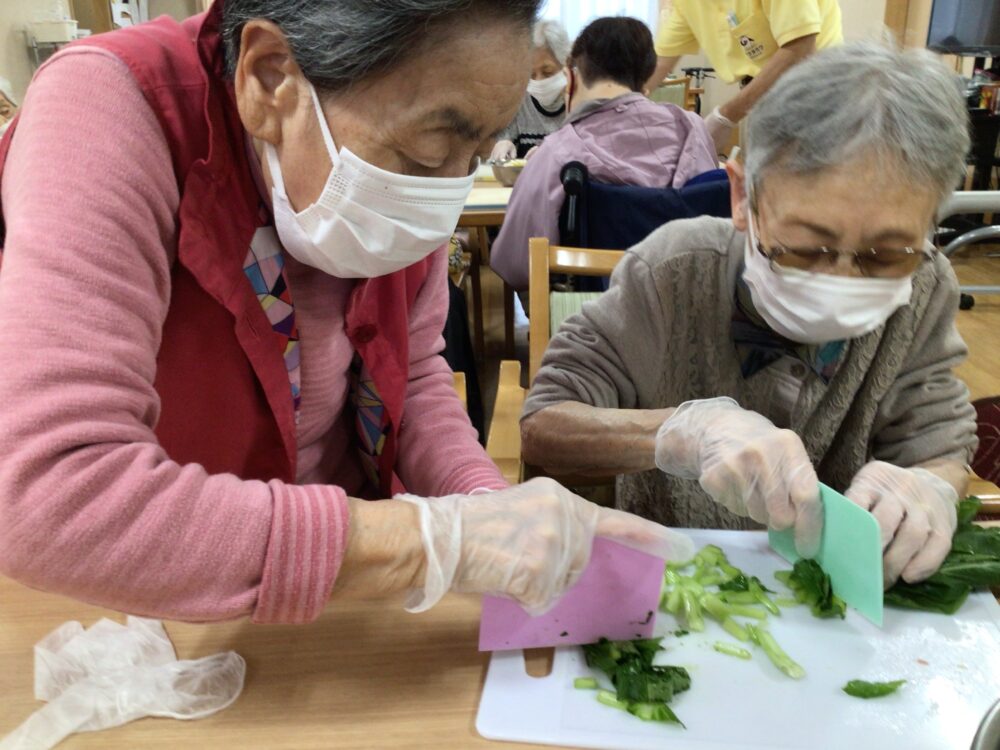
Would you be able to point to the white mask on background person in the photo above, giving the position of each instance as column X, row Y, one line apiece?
column 815, row 308
column 548, row 91
column 367, row 222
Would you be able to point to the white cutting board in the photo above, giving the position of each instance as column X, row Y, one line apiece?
column 749, row 704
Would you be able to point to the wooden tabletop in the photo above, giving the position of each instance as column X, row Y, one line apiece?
column 365, row 675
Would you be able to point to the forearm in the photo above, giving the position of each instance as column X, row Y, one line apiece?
column 384, row 553
column 664, row 67
column 953, row 472
column 786, row 57
column 576, row 438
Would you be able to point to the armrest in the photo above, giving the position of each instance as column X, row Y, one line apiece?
column 503, row 444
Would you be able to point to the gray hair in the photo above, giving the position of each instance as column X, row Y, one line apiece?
column 551, row 35
column 339, row 42
column 857, row 101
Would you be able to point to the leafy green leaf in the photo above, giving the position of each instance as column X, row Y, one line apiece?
column 811, row 585
column 973, row 563
column 864, row 689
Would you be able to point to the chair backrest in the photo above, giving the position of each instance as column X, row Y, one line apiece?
column 672, row 91
column 545, row 259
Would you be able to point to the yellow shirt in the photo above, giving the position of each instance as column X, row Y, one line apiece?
column 762, row 26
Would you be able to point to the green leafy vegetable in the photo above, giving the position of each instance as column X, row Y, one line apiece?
column 863, row 689
column 641, row 688
column 811, row 585
column 973, row 563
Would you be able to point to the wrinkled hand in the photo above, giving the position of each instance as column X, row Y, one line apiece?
column 745, row 464
column 529, row 543
column 503, row 151
column 917, row 513
column 721, row 129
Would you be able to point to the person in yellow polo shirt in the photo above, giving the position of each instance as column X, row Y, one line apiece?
column 748, row 41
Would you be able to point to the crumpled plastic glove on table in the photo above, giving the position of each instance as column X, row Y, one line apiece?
column 111, row 674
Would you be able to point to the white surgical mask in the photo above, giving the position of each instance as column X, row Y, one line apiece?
column 367, row 222
column 548, row 91
column 814, row 308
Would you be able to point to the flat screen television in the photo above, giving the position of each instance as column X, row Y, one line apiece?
column 965, row 27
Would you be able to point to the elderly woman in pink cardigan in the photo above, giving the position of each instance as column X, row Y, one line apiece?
column 222, row 292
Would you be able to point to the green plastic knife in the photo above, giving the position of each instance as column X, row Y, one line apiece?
column 850, row 552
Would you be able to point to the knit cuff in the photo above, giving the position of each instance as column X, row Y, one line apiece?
column 304, row 553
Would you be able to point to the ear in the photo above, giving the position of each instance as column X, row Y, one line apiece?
column 737, row 193
column 268, row 81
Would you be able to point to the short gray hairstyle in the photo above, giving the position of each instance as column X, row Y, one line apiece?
column 337, row 43
column 858, row 100
column 552, row 36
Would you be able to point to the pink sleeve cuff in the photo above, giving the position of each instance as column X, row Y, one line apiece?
column 476, row 476
column 304, row 553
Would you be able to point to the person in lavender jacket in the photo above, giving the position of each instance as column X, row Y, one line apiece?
column 620, row 135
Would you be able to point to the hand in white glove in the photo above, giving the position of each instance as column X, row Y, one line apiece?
column 720, row 128
column 529, row 543
column 503, row 151
column 746, row 464
column 917, row 513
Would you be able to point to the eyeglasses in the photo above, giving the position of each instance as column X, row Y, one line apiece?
column 885, row 263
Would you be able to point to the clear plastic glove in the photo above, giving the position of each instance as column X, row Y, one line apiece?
column 745, row 464
column 917, row 513
column 112, row 674
column 529, row 543
column 503, row 151
column 721, row 129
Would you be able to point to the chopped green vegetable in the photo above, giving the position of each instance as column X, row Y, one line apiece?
column 654, row 712
column 730, row 649
column 778, row 657
column 973, row 563
column 736, row 630
column 681, row 633
column 864, row 689
column 585, row 683
column 638, row 683
column 811, row 585
column 608, row 699
column 786, row 601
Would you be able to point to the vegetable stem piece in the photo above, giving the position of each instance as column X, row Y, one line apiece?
column 774, row 652
column 585, row 683
column 608, row 699
column 730, row 649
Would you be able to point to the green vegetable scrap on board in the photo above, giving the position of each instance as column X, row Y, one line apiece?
column 973, row 563
column 642, row 689
column 811, row 585
column 863, row 689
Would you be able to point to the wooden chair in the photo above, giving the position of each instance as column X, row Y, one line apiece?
column 545, row 259
column 504, row 441
column 673, row 91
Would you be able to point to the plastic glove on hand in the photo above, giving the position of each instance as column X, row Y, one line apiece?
column 529, row 543
column 745, row 464
column 721, row 129
column 917, row 513
column 503, row 151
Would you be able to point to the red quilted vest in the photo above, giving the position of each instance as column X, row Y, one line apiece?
column 226, row 402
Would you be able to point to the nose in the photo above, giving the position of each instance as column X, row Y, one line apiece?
column 845, row 265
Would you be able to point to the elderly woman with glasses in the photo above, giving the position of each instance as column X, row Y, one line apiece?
column 734, row 364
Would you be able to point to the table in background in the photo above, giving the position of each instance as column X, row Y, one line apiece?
column 485, row 209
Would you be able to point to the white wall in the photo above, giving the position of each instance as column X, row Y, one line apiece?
column 15, row 63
